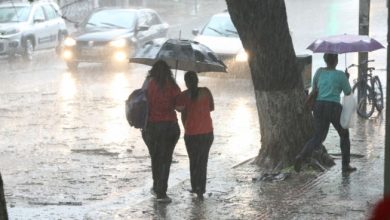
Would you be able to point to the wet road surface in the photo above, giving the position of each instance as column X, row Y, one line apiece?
column 66, row 143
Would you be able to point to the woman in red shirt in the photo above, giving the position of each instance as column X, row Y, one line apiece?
column 195, row 104
column 162, row 130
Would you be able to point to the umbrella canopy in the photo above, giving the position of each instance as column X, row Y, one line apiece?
column 345, row 43
column 180, row 54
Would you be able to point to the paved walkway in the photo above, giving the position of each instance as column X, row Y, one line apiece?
column 238, row 193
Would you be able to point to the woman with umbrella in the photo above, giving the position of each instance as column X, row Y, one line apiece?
column 162, row 130
column 329, row 84
column 195, row 104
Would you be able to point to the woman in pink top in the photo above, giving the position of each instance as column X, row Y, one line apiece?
column 195, row 104
column 162, row 130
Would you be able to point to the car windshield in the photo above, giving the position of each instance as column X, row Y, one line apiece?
column 112, row 19
column 14, row 14
column 220, row 26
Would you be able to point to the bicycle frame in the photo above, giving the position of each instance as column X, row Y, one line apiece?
column 367, row 95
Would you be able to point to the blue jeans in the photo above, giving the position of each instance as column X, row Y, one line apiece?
column 326, row 113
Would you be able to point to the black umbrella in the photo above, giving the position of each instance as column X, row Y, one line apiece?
column 180, row 54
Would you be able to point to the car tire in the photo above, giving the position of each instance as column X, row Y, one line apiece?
column 72, row 65
column 28, row 50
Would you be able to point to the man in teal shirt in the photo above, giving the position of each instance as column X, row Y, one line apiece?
column 327, row 109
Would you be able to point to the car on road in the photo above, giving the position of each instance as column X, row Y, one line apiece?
column 27, row 27
column 221, row 36
column 112, row 35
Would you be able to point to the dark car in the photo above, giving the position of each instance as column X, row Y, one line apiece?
column 112, row 35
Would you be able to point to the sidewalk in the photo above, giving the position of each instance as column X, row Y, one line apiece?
column 237, row 192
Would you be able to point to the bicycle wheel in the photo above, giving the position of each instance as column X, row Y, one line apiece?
column 377, row 87
column 366, row 104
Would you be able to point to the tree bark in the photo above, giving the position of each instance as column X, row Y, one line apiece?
column 285, row 123
column 3, row 207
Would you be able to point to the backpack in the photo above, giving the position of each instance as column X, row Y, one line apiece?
column 137, row 108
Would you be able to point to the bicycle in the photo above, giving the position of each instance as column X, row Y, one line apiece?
column 369, row 90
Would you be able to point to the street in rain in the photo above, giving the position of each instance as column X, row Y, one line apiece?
column 68, row 152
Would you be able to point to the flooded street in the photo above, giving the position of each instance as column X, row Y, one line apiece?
column 67, row 142
column 67, row 151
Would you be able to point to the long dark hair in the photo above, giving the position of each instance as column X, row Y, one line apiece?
column 162, row 73
column 191, row 79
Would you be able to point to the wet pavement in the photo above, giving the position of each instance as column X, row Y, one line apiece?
column 67, row 152
column 239, row 192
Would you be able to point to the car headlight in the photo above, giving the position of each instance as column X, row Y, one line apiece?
column 69, row 42
column 119, row 43
column 242, row 56
column 120, row 56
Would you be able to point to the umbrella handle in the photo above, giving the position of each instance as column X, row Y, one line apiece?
column 345, row 59
column 177, row 61
column 177, row 64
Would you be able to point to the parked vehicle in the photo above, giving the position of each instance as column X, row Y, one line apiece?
column 112, row 35
column 26, row 27
column 220, row 35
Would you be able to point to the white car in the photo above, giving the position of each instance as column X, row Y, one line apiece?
column 26, row 27
column 220, row 35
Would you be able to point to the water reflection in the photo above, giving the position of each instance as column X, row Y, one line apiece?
column 117, row 87
column 241, row 119
column 345, row 187
column 68, row 112
column 365, row 131
column 68, row 86
column 198, row 209
column 116, row 127
column 160, row 210
column 115, row 124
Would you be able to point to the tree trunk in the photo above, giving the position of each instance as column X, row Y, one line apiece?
column 3, row 207
column 285, row 124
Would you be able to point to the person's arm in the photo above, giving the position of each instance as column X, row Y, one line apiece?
column 180, row 106
column 345, row 85
column 211, row 99
column 314, row 82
